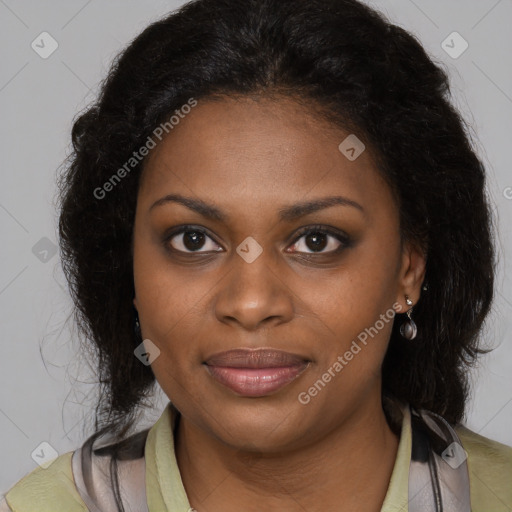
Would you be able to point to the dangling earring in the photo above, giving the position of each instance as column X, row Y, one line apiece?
column 409, row 329
column 136, row 328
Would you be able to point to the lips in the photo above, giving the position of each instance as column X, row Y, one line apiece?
column 255, row 358
column 256, row 372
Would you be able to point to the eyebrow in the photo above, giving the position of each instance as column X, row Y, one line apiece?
column 288, row 213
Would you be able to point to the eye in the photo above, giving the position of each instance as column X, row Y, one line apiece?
column 317, row 239
column 189, row 239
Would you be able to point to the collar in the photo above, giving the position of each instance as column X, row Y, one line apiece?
column 165, row 489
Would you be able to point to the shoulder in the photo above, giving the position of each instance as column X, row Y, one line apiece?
column 51, row 488
column 490, row 471
column 86, row 479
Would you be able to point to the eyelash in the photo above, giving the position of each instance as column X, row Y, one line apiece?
column 345, row 241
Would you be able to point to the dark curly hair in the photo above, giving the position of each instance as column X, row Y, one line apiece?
column 357, row 70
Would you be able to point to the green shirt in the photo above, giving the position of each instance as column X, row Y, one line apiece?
column 53, row 489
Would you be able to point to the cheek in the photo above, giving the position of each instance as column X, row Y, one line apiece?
column 175, row 330
column 350, row 354
column 358, row 341
column 168, row 296
column 354, row 315
column 171, row 316
column 354, row 297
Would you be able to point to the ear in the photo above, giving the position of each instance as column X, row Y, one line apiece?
column 135, row 303
column 411, row 276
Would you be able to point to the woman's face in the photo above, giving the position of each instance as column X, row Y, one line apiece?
column 243, row 276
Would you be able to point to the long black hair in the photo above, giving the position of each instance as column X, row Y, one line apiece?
column 356, row 69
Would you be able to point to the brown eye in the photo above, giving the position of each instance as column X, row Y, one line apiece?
column 191, row 240
column 319, row 241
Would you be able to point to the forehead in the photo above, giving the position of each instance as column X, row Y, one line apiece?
column 258, row 150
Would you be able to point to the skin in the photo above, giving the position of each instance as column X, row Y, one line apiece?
column 250, row 159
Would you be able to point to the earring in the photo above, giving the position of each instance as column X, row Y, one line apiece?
column 136, row 328
column 409, row 329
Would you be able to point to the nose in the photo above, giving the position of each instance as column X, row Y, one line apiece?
column 254, row 294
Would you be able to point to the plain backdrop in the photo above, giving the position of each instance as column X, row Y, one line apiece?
column 47, row 390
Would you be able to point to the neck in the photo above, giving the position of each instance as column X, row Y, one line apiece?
column 347, row 469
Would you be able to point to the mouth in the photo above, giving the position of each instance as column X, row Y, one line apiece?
column 255, row 372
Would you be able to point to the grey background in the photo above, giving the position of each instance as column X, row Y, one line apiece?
column 47, row 389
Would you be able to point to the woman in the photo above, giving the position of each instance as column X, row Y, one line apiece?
column 274, row 212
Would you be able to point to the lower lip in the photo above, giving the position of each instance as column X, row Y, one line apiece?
column 255, row 381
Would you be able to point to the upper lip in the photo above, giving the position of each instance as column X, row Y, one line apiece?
column 255, row 358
